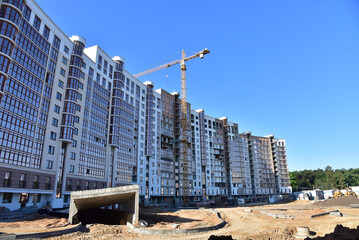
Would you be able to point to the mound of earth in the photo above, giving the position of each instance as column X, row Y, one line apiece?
column 341, row 201
column 340, row 232
column 222, row 237
column 276, row 234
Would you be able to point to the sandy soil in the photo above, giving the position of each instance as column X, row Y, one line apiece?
column 185, row 219
column 244, row 223
column 33, row 223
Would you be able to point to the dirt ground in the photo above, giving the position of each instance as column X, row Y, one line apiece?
column 275, row 222
column 33, row 223
column 184, row 218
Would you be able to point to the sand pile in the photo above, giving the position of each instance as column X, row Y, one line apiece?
column 341, row 201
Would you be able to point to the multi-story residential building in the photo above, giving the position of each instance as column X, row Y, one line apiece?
column 72, row 118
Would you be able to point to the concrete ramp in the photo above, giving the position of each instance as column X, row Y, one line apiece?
column 117, row 205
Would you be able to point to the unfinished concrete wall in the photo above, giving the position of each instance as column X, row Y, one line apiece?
column 117, row 205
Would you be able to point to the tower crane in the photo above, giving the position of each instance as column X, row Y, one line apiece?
column 184, row 124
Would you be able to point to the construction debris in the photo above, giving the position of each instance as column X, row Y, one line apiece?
column 302, row 232
column 278, row 215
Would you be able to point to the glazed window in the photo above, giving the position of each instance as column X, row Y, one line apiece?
column 7, row 198
column 46, row 32
column 61, row 84
column 105, row 67
column 58, row 96
column 10, row 13
column 37, row 23
column 26, row 13
column 64, row 60
column 57, row 109
column 66, row 49
column 53, row 136
column 51, row 150
column 54, row 53
column 110, row 71
column 35, row 36
column 99, row 64
column 78, row 48
column 62, row 72
column 55, row 122
column 56, row 43
column 17, row 3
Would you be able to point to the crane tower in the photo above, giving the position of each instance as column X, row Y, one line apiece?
column 184, row 110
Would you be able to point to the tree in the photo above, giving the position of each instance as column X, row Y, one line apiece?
column 326, row 178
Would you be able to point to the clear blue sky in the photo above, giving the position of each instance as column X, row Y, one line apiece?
column 288, row 68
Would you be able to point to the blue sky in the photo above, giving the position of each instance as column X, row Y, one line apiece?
column 288, row 68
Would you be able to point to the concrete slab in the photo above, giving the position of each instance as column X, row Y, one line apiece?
column 116, row 205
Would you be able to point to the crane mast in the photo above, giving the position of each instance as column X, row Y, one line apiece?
column 184, row 117
column 184, row 164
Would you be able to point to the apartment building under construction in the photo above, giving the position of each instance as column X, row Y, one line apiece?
column 72, row 118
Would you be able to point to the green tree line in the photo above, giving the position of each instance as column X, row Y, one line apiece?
column 328, row 178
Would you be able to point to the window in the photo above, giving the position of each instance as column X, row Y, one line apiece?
column 62, row 72
column 105, row 67
column 73, row 156
column 48, row 182
column 77, row 119
column 22, row 182
column 46, row 32
column 56, row 42
column 78, row 108
column 64, row 60
column 51, row 150
column 111, row 71
column 53, row 136
column 99, row 65
column 58, row 96
column 36, row 198
column 76, row 131
column 66, row 49
column 27, row 12
column 37, row 23
column 72, row 169
column 61, row 84
column 55, row 122
column 7, row 198
column 74, row 143
column 49, row 164
column 36, row 182
column 57, row 109
column 7, row 181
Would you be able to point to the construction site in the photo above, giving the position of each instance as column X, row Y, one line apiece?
column 91, row 151
column 333, row 218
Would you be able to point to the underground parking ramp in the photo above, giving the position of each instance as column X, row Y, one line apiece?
column 116, row 205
